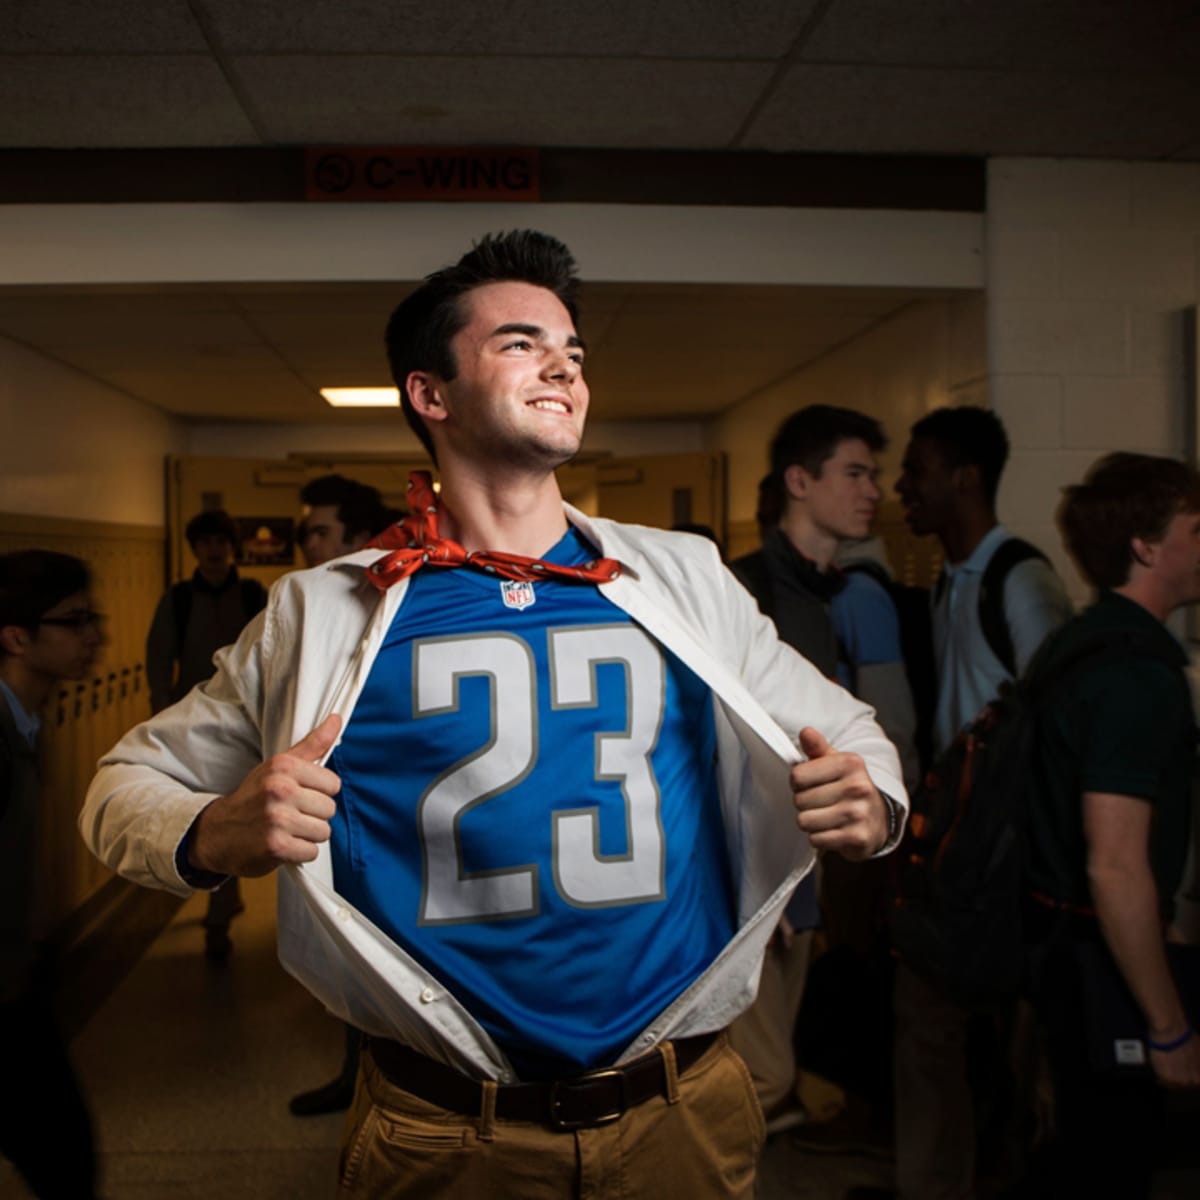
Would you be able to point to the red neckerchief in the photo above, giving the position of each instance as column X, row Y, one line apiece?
column 415, row 543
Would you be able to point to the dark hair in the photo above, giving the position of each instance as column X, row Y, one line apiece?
column 360, row 507
column 32, row 582
column 969, row 437
column 213, row 522
column 421, row 328
column 771, row 502
column 1122, row 497
column 810, row 436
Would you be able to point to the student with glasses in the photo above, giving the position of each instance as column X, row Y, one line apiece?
column 49, row 632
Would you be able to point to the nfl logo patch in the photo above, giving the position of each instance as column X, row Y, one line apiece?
column 517, row 593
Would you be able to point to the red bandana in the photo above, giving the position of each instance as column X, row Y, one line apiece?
column 414, row 543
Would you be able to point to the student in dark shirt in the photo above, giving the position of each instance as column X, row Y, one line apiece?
column 194, row 619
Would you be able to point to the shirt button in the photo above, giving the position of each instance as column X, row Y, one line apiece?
column 343, row 913
column 427, row 996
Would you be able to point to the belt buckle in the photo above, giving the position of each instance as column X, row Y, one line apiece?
column 560, row 1087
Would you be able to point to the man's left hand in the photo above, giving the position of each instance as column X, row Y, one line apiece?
column 837, row 805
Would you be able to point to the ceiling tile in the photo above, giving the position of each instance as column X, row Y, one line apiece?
column 1087, row 35
column 465, row 101
column 107, row 329
column 910, row 110
column 667, row 28
column 61, row 101
column 86, row 27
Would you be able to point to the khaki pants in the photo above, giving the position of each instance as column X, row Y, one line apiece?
column 764, row 1035
column 704, row 1141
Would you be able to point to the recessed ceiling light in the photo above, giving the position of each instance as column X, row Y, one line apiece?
column 362, row 397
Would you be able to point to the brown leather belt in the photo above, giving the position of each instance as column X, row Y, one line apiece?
column 594, row 1098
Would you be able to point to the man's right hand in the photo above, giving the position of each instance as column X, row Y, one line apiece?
column 279, row 814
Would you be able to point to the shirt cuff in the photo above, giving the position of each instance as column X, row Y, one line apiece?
column 897, row 815
column 203, row 881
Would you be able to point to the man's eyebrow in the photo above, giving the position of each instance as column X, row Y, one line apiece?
column 536, row 332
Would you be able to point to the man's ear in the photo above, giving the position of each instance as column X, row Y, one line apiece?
column 795, row 481
column 15, row 639
column 425, row 392
column 968, row 479
column 1143, row 552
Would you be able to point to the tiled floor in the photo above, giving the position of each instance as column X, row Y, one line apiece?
column 189, row 1068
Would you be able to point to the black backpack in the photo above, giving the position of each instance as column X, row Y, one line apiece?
column 956, row 917
column 992, row 621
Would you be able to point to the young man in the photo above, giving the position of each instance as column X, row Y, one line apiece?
column 948, row 486
column 1109, row 820
column 193, row 620
column 562, row 834
column 846, row 625
column 950, row 476
column 49, row 632
column 340, row 516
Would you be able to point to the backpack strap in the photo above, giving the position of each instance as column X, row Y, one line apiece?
column 181, row 604
column 753, row 572
column 1049, row 669
column 992, row 620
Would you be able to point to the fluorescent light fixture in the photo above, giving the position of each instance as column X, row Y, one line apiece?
column 362, row 397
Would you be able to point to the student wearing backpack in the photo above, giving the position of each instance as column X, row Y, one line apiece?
column 996, row 601
column 194, row 619
column 823, row 462
column 1108, row 824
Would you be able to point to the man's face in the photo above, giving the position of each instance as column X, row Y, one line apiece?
column 843, row 500
column 67, row 640
column 926, row 487
column 214, row 553
column 519, row 397
column 325, row 536
column 1176, row 560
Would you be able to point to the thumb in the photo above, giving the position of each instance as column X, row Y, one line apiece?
column 813, row 742
column 315, row 745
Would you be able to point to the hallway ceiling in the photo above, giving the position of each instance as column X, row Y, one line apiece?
column 259, row 353
column 1096, row 78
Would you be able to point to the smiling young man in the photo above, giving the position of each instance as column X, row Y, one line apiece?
column 559, row 805
column 49, row 632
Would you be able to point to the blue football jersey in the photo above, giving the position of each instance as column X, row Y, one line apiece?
column 529, row 808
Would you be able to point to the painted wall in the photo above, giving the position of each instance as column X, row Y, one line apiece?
column 1089, row 266
column 928, row 354
column 71, row 447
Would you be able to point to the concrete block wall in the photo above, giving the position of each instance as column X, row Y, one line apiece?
column 930, row 353
column 1091, row 267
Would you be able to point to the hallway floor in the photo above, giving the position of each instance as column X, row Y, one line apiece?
column 189, row 1068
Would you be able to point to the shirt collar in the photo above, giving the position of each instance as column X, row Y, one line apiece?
column 977, row 560
column 27, row 724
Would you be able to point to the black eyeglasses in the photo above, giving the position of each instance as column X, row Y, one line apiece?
column 76, row 621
